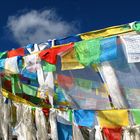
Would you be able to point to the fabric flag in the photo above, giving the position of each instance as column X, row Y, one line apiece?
column 41, row 125
column 108, row 49
column 6, row 82
column 46, row 82
column 69, row 61
column 53, row 124
column 50, row 55
column 30, row 90
column 131, row 133
column 126, row 133
column 25, row 128
column 85, row 132
column 136, row 26
column 112, row 133
column 113, row 118
column 45, row 45
column 77, row 135
column 98, row 133
column 15, row 98
column 89, row 83
column 2, row 63
column 26, row 73
column 136, row 115
column 123, row 82
column 84, row 117
column 67, row 40
column 64, row 131
column 64, row 117
column 16, row 85
column 31, row 62
column 32, row 48
column 3, row 55
column 88, row 51
column 110, row 31
column 27, row 47
column 131, row 47
column 70, row 113
column 4, row 119
column 20, row 63
column 16, row 52
column 48, row 67
column 109, row 77
column 34, row 83
column 64, row 125
column 11, row 65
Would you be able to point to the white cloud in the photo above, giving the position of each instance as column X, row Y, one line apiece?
column 38, row 26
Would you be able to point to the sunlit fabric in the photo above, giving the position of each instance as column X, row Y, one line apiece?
column 113, row 133
column 64, row 131
column 131, row 46
column 87, row 89
column 136, row 116
column 88, row 51
column 84, row 117
column 113, row 118
column 108, row 49
column 16, row 52
column 110, row 31
column 50, row 55
column 69, row 61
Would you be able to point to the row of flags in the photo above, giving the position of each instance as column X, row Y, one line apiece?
column 84, row 86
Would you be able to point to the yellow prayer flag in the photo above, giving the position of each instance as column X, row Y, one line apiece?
column 16, row 98
column 113, row 118
column 19, row 99
column 69, row 61
column 106, row 32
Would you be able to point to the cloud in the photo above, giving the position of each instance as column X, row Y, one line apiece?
column 39, row 26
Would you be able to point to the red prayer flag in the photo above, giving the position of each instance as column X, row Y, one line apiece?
column 112, row 133
column 50, row 55
column 16, row 52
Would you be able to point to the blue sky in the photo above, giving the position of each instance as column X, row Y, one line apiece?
column 34, row 21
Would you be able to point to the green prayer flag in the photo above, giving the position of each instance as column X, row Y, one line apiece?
column 136, row 115
column 16, row 85
column 136, row 26
column 88, row 51
column 29, row 90
column 70, row 112
column 3, row 55
column 48, row 67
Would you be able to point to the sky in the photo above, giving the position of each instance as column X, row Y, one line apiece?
column 34, row 21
